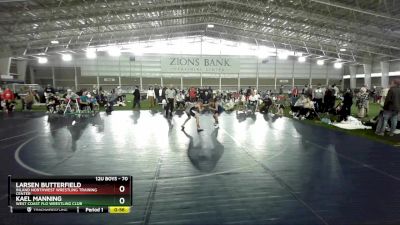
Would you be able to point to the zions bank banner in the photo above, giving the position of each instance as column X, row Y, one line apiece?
column 200, row 64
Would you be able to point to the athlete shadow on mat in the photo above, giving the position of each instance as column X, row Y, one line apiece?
column 75, row 125
column 270, row 117
column 135, row 116
column 242, row 116
column 153, row 112
column 206, row 152
column 179, row 113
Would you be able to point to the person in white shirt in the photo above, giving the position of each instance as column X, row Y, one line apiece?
column 150, row 97
column 118, row 91
column 336, row 90
column 253, row 102
column 384, row 93
column 71, row 95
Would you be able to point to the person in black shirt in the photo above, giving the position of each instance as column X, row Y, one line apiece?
column 163, row 93
column 201, row 94
column 157, row 93
column 346, row 104
column 49, row 90
column 329, row 100
column 281, row 90
column 136, row 95
column 248, row 93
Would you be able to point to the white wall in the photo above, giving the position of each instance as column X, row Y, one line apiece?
column 150, row 66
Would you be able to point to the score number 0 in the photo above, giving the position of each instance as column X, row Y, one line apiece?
column 122, row 189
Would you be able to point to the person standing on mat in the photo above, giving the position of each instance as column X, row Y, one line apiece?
column 136, row 96
column 391, row 109
column 170, row 95
column 192, row 109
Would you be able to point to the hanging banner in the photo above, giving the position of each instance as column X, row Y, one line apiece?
column 200, row 64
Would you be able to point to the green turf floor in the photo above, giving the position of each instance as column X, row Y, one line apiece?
column 374, row 109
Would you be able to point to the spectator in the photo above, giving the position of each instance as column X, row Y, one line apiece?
column 8, row 97
column 248, row 93
column 54, row 103
column 170, row 95
column 201, row 94
column 373, row 94
column 309, row 92
column 180, row 100
column 318, row 96
column 86, row 101
column 157, row 93
column 119, row 94
column 163, row 93
column 94, row 90
column 303, row 108
column 295, row 93
column 150, row 96
column 391, row 109
column 362, row 99
column 28, row 100
column 1, row 93
column 384, row 93
column 304, row 90
column 335, row 91
column 329, row 100
column 365, row 89
column 345, row 110
column 47, row 91
column 192, row 94
column 136, row 97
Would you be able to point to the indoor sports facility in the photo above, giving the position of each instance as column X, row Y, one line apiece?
column 199, row 112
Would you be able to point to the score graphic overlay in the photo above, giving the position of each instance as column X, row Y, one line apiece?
column 70, row 194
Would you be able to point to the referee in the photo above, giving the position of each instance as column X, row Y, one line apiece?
column 170, row 95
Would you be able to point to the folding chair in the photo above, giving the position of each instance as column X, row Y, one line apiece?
column 69, row 107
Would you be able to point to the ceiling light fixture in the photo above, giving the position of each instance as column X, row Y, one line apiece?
column 54, row 42
column 302, row 59
column 91, row 53
column 342, row 49
column 66, row 57
column 320, row 62
column 42, row 60
column 210, row 26
column 338, row 65
column 114, row 51
column 283, row 55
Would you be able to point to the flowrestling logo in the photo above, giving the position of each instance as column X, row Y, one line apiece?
column 200, row 64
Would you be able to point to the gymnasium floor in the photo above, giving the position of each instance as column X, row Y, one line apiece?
column 253, row 170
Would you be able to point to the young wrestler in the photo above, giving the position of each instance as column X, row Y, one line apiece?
column 217, row 109
column 193, row 109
